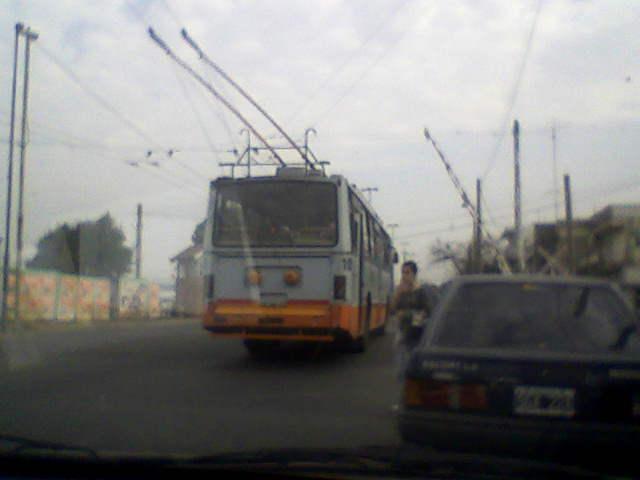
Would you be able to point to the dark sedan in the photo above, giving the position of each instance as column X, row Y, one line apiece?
column 542, row 367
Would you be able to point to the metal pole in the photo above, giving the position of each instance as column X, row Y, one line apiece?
column 139, row 242
column 516, row 195
column 478, row 227
column 248, row 151
column 306, row 143
column 369, row 191
column 555, row 174
column 30, row 36
column 7, row 231
column 392, row 227
column 569, row 215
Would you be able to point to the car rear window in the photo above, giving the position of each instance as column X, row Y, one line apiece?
column 532, row 316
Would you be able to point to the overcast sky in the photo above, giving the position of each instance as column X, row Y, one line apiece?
column 367, row 75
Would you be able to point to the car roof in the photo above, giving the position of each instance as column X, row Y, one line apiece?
column 530, row 278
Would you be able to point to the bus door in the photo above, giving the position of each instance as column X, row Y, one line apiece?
column 358, row 250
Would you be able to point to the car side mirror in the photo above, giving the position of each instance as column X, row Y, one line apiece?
column 395, row 257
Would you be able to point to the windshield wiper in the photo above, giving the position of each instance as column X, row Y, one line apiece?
column 22, row 445
column 623, row 337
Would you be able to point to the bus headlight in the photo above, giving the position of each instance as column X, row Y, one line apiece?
column 292, row 277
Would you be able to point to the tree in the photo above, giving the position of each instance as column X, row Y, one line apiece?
column 460, row 255
column 94, row 248
column 457, row 253
column 198, row 233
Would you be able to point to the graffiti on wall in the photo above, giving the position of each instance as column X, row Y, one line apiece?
column 57, row 297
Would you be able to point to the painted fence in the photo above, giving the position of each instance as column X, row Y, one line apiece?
column 51, row 296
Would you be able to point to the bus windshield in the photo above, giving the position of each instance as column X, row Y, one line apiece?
column 276, row 214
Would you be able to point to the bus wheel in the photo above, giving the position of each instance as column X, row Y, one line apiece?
column 258, row 348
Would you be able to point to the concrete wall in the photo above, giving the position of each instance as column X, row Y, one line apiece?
column 52, row 296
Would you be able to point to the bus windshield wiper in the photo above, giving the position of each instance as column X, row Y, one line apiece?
column 24, row 445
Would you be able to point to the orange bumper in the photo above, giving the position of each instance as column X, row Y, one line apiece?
column 298, row 320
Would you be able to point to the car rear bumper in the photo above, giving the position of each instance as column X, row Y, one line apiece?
column 518, row 436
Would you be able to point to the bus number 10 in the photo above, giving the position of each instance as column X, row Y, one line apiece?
column 347, row 264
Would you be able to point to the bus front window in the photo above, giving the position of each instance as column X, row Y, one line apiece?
column 276, row 214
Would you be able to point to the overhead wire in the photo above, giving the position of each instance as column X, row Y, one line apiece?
column 513, row 95
column 361, row 77
column 547, row 206
column 103, row 102
column 196, row 113
column 390, row 15
column 219, row 111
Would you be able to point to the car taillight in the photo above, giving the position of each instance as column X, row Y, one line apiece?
column 339, row 287
column 436, row 394
column 210, row 283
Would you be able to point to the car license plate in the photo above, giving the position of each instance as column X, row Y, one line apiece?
column 544, row 401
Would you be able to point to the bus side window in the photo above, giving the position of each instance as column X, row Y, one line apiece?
column 367, row 236
column 379, row 244
column 354, row 234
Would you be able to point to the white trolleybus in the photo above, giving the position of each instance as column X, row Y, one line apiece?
column 297, row 256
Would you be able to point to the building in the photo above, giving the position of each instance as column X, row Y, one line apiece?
column 189, row 299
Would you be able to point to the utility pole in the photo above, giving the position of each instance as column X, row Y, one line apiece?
column 248, row 132
column 555, row 174
column 30, row 37
column 7, row 232
column 139, row 242
column 369, row 191
column 516, row 196
column 466, row 203
column 392, row 227
column 478, row 229
column 569, row 219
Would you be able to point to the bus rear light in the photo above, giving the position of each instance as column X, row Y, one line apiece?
column 435, row 394
column 210, row 285
column 254, row 277
column 292, row 277
column 339, row 287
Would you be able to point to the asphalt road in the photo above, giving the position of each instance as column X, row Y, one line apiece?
column 167, row 387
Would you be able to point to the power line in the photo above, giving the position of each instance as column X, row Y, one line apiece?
column 98, row 98
column 107, row 106
column 514, row 92
column 548, row 206
column 336, row 71
column 362, row 75
column 196, row 113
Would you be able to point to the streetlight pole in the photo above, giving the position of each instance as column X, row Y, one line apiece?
column 30, row 37
column 369, row 190
column 7, row 232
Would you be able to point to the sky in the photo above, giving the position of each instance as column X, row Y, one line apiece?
column 367, row 75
